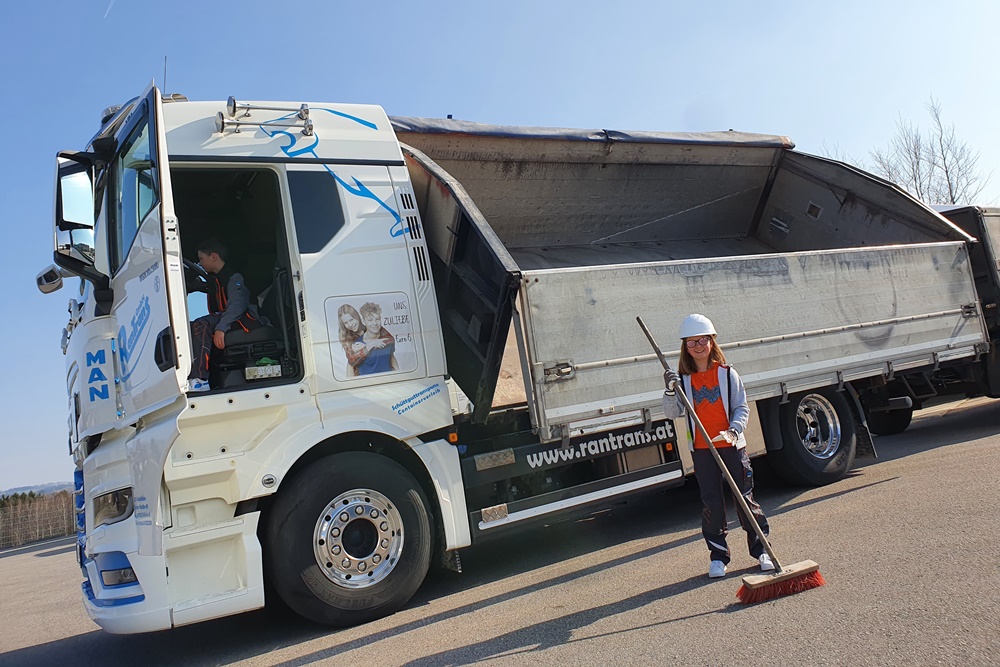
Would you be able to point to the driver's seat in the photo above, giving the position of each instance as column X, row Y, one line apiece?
column 267, row 343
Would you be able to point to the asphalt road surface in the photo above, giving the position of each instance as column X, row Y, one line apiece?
column 909, row 545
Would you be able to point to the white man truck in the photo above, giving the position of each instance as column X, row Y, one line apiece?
column 452, row 350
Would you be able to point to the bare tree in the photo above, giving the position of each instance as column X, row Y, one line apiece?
column 835, row 152
column 933, row 164
column 28, row 517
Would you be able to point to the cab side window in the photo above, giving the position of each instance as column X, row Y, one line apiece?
column 316, row 208
column 135, row 195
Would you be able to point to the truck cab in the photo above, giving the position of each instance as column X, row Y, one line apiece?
column 315, row 206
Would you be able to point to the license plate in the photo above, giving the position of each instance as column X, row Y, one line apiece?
column 263, row 372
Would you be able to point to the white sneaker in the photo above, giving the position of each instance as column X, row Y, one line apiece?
column 197, row 384
column 765, row 563
column 717, row 569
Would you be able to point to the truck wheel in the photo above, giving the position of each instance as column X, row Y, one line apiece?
column 892, row 421
column 348, row 540
column 818, row 438
column 889, row 423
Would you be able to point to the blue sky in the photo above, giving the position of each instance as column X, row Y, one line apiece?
column 825, row 74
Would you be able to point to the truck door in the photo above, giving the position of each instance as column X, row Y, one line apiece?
column 152, row 346
column 991, row 237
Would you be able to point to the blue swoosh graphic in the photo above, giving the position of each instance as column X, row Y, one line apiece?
column 361, row 190
column 362, row 121
column 292, row 139
column 138, row 356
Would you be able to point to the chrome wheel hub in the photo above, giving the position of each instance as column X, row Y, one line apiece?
column 818, row 426
column 358, row 538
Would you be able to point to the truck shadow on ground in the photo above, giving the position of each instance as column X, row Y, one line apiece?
column 537, row 637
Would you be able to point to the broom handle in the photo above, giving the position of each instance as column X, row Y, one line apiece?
column 737, row 494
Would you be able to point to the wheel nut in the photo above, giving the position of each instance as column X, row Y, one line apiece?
column 374, row 514
column 344, row 516
column 336, row 550
column 362, row 566
column 384, row 543
column 335, row 532
column 376, row 559
column 383, row 526
column 346, row 563
column 359, row 510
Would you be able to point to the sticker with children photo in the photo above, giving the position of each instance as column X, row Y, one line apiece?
column 370, row 334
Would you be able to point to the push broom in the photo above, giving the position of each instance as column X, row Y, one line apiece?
column 785, row 580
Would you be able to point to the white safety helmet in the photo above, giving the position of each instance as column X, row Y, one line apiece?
column 696, row 325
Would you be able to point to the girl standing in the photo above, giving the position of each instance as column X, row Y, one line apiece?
column 720, row 401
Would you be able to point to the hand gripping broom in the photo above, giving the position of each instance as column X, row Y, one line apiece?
column 785, row 580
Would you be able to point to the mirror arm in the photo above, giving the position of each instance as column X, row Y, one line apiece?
column 104, row 151
column 103, row 292
column 85, row 158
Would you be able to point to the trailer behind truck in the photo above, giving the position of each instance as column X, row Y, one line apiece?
column 452, row 350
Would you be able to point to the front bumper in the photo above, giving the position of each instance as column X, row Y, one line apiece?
column 203, row 573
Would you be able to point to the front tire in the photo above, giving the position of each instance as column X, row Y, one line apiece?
column 818, row 438
column 349, row 539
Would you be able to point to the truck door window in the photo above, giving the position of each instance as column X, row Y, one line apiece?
column 316, row 208
column 135, row 190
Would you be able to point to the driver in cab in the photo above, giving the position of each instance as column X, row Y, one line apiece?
column 229, row 308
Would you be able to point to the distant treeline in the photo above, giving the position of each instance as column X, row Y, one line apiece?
column 29, row 517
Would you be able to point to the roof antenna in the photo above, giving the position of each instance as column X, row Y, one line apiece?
column 164, row 75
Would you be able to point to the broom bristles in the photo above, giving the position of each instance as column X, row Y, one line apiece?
column 803, row 582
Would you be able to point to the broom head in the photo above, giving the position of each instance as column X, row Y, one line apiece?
column 789, row 580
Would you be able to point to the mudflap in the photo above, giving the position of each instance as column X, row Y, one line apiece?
column 991, row 370
column 865, row 445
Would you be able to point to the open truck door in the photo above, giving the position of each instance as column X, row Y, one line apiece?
column 126, row 244
column 154, row 340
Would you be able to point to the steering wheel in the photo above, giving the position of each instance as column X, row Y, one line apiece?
column 195, row 277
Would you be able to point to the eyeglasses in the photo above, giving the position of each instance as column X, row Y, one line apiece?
column 698, row 342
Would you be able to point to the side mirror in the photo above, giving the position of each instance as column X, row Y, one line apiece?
column 75, row 220
column 76, row 244
column 49, row 279
column 74, row 192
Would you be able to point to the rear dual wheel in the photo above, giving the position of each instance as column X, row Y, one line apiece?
column 891, row 422
column 818, row 437
column 349, row 539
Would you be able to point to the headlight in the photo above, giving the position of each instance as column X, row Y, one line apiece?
column 120, row 577
column 112, row 507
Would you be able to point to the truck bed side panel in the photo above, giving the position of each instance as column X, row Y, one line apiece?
column 788, row 322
